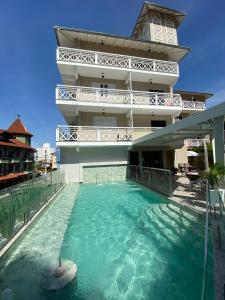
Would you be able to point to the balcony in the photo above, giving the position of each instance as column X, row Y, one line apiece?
column 193, row 105
column 190, row 143
column 87, row 61
column 92, row 135
column 119, row 100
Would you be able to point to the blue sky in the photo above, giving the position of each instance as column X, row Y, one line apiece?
column 28, row 72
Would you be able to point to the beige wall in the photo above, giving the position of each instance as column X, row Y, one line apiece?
column 88, row 81
column 121, row 84
column 72, row 162
column 180, row 156
column 145, row 120
column 118, row 50
column 86, row 119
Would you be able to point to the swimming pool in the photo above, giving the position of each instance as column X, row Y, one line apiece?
column 128, row 243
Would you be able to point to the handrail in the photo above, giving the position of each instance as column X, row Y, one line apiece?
column 193, row 104
column 112, row 90
column 157, row 179
column 117, row 96
column 206, row 241
column 107, row 127
column 100, row 133
column 116, row 60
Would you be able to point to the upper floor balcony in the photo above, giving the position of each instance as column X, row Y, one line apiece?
column 193, row 105
column 190, row 143
column 99, row 136
column 115, row 66
column 118, row 100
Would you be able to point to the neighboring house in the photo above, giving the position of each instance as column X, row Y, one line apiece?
column 117, row 89
column 16, row 154
column 46, row 155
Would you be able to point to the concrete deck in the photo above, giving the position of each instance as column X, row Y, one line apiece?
column 195, row 200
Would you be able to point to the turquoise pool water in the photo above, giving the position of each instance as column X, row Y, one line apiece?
column 128, row 243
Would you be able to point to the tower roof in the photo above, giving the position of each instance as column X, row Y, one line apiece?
column 18, row 127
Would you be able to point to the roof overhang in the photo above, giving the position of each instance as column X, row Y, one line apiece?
column 65, row 36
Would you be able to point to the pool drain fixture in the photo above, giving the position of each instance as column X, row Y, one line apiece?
column 58, row 278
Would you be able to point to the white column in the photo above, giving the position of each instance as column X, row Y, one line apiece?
column 218, row 140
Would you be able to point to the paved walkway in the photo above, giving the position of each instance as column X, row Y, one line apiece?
column 195, row 200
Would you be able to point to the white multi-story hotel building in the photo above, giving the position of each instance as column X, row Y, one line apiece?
column 117, row 89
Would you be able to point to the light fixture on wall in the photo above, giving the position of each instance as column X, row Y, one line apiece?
column 153, row 114
column 103, row 75
column 102, row 43
column 149, row 50
column 103, row 111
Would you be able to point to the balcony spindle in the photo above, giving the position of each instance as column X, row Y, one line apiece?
column 96, row 58
column 156, row 99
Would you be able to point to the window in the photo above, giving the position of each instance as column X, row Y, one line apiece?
column 156, row 91
column 104, row 121
column 158, row 123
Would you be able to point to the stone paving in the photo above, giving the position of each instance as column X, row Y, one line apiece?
column 195, row 200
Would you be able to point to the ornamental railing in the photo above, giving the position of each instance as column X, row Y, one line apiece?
column 189, row 143
column 116, row 60
column 160, row 180
column 100, row 134
column 115, row 96
column 193, row 105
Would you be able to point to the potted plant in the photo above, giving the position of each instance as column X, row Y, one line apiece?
column 214, row 175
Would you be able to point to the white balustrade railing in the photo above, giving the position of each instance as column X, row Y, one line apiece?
column 193, row 104
column 189, row 143
column 115, row 96
column 100, row 134
column 116, row 60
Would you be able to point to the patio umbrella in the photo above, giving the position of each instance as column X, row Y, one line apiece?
column 192, row 154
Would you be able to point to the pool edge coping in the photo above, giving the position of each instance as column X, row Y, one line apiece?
column 11, row 242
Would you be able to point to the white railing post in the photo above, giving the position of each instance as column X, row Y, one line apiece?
column 156, row 99
column 177, row 69
column 96, row 58
column 57, row 134
column 97, row 95
column 131, row 97
column 153, row 65
column 57, row 54
column 57, row 93
column 129, row 62
column 98, row 134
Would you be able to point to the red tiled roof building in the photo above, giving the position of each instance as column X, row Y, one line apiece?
column 16, row 154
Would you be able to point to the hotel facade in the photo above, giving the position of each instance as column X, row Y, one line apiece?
column 117, row 89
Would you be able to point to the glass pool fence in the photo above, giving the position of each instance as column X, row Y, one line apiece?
column 19, row 203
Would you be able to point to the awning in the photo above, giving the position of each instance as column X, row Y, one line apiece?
column 192, row 154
